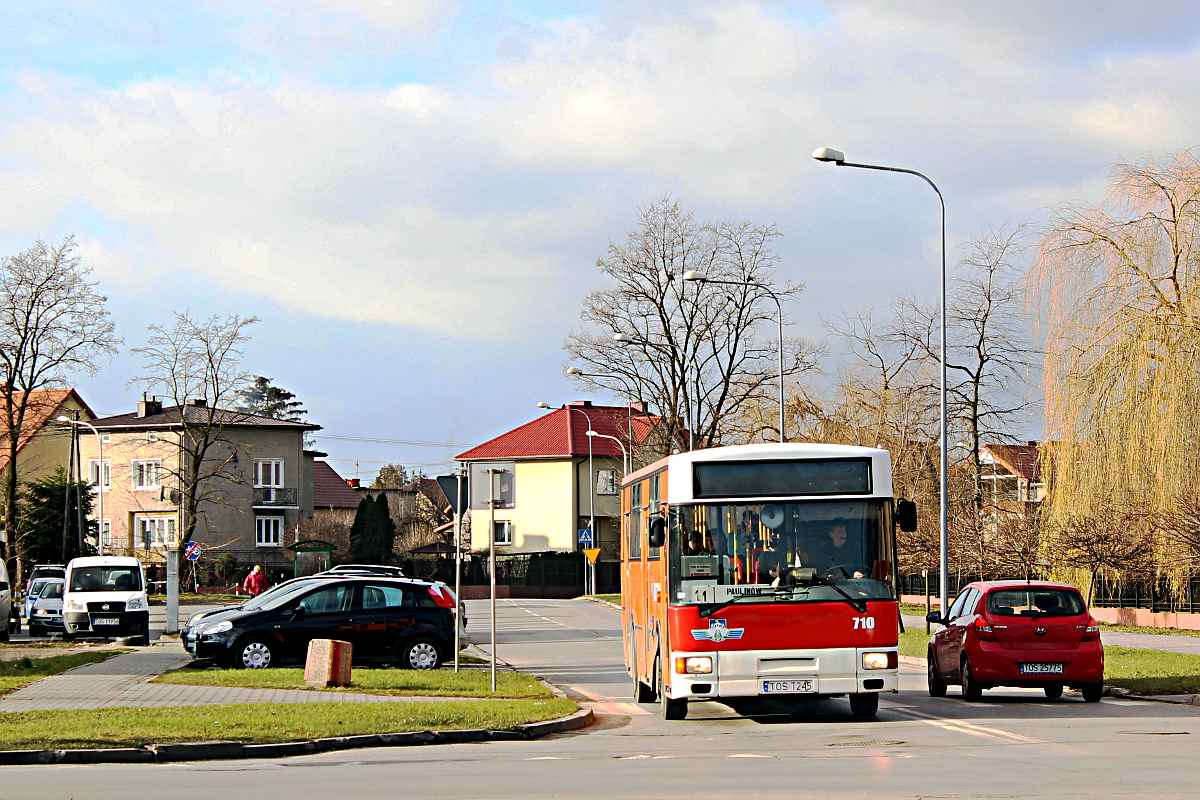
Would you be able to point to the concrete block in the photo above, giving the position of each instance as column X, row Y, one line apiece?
column 10, row 757
column 328, row 663
column 459, row 737
column 509, row 736
column 407, row 739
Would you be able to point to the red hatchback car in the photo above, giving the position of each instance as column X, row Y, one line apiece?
column 1017, row 633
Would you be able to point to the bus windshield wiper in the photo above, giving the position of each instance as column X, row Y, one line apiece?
column 809, row 576
column 708, row 611
column 859, row 605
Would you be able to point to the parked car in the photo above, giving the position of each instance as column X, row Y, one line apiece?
column 374, row 569
column 386, row 620
column 46, row 616
column 44, row 571
column 1017, row 633
column 105, row 596
column 31, row 594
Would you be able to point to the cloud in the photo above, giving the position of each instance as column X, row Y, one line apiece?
column 476, row 203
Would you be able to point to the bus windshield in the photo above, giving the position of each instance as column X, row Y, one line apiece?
column 723, row 552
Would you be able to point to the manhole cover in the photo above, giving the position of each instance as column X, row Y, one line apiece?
column 874, row 743
column 1157, row 733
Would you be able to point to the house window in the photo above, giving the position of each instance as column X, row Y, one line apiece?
column 268, row 531
column 156, row 531
column 606, row 481
column 106, row 534
column 502, row 531
column 106, row 437
column 147, row 474
column 268, row 476
column 152, row 436
column 94, row 474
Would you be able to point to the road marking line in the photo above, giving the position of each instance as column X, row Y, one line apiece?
column 748, row 755
column 974, row 729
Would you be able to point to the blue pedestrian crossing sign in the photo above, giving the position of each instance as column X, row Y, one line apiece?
column 192, row 551
column 585, row 536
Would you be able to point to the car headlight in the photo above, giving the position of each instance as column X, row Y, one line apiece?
column 215, row 627
column 71, row 604
column 41, row 611
column 136, row 604
column 693, row 665
column 888, row 660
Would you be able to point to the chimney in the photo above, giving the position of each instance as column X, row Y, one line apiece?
column 580, row 404
column 636, row 407
column 1031, row 443
column 354, row 483
column 198, row 402
column 148, row 408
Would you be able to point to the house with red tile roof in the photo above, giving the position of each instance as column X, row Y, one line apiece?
column 1012, row 476
column 550, row 479
column 43, row 445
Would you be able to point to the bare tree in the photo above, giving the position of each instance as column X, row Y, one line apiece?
column 198, row 365
column 697, row 352
column 52, row 322
column 1118, row 541
column 990, row 356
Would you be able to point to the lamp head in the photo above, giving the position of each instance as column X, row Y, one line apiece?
column 591, row 432
column 829, row 154
column 623, row 338
column 543, row 405
column 62, row 419
column 574, row 371
column 693, row 275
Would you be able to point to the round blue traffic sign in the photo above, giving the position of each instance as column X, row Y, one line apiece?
column 192, row 551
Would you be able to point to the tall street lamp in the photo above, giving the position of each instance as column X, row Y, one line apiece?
column 692, row 275
column 624, row 453
column 828, row 154
column 99, row 477
column 591, row 478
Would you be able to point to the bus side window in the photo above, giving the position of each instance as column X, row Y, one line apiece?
column 634, row 529
column 653, row 510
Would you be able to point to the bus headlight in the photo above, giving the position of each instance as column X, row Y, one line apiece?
column 888, row 660
column 693, row 665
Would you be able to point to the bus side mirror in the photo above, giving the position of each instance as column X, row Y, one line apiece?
column 906, row 515
column 658, row 532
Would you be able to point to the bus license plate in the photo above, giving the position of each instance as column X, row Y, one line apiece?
column 800, row 686
column 106, row 621
column 1041, row 669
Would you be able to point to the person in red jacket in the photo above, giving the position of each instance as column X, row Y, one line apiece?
column 256, row 582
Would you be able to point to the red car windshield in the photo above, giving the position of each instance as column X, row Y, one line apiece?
column 1034, row 601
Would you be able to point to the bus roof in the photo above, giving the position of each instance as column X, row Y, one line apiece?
column 682, row 462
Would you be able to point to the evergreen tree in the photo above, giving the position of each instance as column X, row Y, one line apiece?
column 265, row 400
column 40, row 507
column 373, row 532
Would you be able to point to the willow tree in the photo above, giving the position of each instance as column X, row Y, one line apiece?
column 1120, row 285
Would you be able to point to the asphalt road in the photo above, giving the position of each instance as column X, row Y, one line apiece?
column 1014, row 744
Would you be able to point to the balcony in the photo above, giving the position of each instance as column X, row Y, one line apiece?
column 274, row 497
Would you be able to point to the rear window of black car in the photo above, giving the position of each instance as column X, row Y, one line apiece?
column 395, row 595
column 1034, row 602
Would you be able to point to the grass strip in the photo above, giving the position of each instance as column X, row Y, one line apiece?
column 1152, row 671
column 398, row 682
column 23, row 671
column 262, row 723
column 1112, row 626
column 615, row 599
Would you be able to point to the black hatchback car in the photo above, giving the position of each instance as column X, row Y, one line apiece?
column 387, row 620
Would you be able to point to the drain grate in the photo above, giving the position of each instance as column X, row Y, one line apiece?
column 873, row 743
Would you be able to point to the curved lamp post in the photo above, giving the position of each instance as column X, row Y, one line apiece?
column 624, row 452
column 693, row 275
column 99, row 477
column 829, row 155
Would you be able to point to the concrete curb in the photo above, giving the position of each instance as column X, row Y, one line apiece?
column 602, row 602
column 204, row 751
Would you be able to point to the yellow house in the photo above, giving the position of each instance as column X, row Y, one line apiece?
column 542, row 483
column 44, row 446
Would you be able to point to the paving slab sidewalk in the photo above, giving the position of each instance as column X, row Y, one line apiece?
column 123, row 681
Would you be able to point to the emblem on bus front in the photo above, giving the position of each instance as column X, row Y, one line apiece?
column 717, row 631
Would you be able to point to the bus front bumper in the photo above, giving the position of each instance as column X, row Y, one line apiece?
column 784, row 673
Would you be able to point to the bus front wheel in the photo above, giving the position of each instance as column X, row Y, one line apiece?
column 673, row 708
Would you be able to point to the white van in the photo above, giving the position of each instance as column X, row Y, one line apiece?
column 105, row 596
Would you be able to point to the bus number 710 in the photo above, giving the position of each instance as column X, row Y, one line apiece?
column 867, row 623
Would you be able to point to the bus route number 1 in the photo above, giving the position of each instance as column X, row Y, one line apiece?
column 864, row 623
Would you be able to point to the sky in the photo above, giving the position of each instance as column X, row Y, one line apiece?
column 411, row 194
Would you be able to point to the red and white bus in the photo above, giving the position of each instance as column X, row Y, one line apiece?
column 762, row 571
